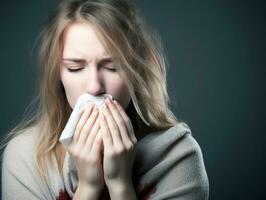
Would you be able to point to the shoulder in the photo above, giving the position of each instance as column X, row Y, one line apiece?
column 175, row 143
column 159, row 141
column 22, row 142
column 20, row 149
column 19, row 169
column 172, row 157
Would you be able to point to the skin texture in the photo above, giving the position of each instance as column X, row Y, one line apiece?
column 84, row 52
column 104, row 142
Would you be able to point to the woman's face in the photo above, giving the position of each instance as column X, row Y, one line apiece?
column 87, row 68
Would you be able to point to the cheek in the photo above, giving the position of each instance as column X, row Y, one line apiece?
column 117, row 88
column 73, row 89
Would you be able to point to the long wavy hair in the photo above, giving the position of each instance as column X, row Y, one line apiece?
column 137, row 52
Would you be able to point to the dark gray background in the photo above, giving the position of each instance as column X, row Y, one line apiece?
column 216, row 52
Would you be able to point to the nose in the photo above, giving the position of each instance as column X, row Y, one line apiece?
column 94, row 85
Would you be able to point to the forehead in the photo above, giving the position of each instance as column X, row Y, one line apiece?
column 81, row 39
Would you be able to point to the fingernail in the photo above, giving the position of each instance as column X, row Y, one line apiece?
column 107, row 100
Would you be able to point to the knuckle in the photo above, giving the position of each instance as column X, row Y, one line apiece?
column 97, row 142
column 113, row 126
column 135, row 141
column 121, row 122
column 111, row 154
column 120, row 150
column 130, row 146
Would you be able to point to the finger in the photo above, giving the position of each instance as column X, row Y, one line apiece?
column 88, row 126
column 127, row 121
column 93, row 134
column 113, row 127
column 84, row 117
column 97, row 146
column 121, row 124
column 106, row 135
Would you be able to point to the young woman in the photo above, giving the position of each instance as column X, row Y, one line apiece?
column 134, row 148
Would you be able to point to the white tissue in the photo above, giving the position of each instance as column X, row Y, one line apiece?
column 83, row 100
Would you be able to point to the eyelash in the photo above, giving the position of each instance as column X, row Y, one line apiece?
column 76, row 70
column 111, row 69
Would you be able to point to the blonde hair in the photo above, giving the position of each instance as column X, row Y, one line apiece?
column 137, row 52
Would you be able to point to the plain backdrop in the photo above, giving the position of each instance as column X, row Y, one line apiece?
column 216, row 55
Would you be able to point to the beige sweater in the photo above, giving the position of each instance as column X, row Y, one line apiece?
column 168, row 165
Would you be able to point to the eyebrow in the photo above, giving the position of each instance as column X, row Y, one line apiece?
column 76, row 60
column 83, row 61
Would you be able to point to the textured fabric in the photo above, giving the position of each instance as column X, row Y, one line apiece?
column 168, row 165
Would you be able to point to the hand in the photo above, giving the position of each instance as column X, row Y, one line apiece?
column 86, row 149
column 119, row 144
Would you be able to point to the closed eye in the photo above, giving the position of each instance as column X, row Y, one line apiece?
column 107, row 64
column 74, row 70
column 112, row 69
